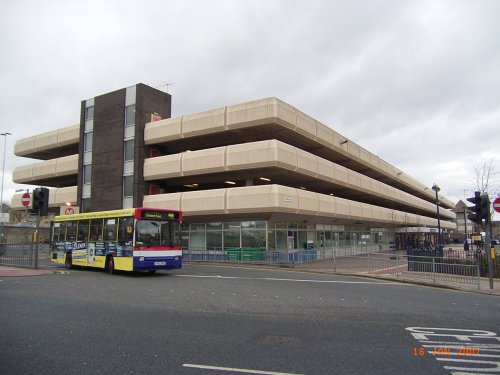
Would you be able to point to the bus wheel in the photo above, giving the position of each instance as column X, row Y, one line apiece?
column 110, row 265
column 68, row 262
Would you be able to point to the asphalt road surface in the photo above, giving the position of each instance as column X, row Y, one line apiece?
column 221, row 320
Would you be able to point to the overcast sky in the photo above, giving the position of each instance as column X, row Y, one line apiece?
column 415, row 82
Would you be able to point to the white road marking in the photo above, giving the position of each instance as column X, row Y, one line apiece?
column 470, row 348
column 240, row 370
column 294, row 280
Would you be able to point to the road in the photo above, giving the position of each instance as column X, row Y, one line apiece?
column 223, row 320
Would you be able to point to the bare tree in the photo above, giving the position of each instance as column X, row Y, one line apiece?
column 486, row 179
column 487, row 184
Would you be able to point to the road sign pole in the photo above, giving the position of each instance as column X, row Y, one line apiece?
column 37, row 242
column 487, row 229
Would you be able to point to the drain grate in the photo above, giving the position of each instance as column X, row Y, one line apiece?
column 276, row 340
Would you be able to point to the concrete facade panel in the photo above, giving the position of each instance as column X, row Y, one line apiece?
column 286, row 115
column 64, row 195
column 206, row 161
column 324, row 135
column 354, row 178
column 326, row 205
column 307, row 163
column 337, row 142
column 367, row 211
column 163, row 130
column 166, row 201
column 342, row 208
column 23, row 174
column 285, row 198
column 67, row 165
column 308, row 202
column 68, row 135
column 251, row 155
column 24, row 146
column 341, row 175
column 325, row 169
column 380, row 213
column 366, row 184
column 355, row 210
column 365, row 156
column 354, row 150
column 46, row 140
column 251, row 113
column 163, row 167
column 249, row 199
column 45, row 169
column 204, row 122
column 205, row 202
column 306, row 125
column 286, row 155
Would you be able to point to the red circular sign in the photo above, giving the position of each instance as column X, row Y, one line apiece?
column 26, row 199
column 69, row 211
column 496, row 204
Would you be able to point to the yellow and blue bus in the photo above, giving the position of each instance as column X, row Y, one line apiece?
column 134, row 239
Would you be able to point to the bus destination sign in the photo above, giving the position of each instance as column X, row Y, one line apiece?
column 159, row 215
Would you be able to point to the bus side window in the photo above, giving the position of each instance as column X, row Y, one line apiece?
column 56, row 231
column 110, row 230
column 83, row 230
column 71, row 231
column 96, row 230
column 126, row 229
column 62, row 232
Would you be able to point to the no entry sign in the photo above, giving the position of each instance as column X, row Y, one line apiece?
column 496, row 204
column 26, row 199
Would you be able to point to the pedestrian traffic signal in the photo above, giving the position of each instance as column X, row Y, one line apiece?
column 481, row 208
column 40, row 201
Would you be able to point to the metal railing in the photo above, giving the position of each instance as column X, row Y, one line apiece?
column 260, row 256
column 463, row 270
column 21, row 254
column 426, row 268
column 439, row 269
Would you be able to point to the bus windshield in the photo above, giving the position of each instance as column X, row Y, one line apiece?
column 157, row 233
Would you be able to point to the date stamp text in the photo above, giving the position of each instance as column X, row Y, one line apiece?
column 443, row 351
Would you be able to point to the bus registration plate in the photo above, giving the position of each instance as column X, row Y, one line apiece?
column 160, row 263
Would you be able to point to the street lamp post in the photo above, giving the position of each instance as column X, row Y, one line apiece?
column 436, row 188
column 3, row 172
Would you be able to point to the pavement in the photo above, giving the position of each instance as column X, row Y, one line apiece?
column 8, row 271
column 317, row 267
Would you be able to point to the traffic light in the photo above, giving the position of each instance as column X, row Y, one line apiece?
column 40, row 201
column 481, row 208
